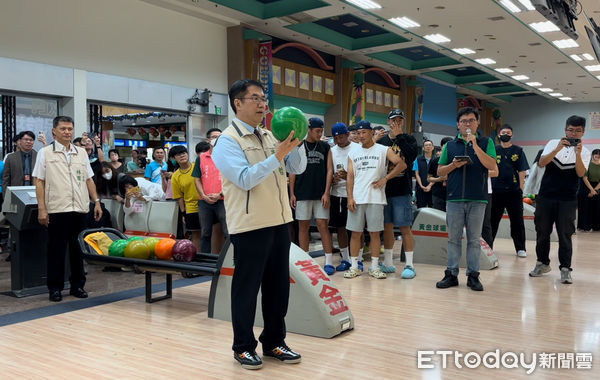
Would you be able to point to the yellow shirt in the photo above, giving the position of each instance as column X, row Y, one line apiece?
column 183, row 186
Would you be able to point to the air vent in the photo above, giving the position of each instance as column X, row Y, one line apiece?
column 582, row 76
column 522, row 56
column 561, row 62
column 535, row 44
column 480, row 49
column 496, row 18
column 433, row 26
column 350, row 24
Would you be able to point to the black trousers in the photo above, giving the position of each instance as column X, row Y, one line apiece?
column 588, row 209
column 486, row 228
column 439, row 203
column 423, row 199
column 513, row 203
column 548, row 212
column 261, row 260
column 63, row 230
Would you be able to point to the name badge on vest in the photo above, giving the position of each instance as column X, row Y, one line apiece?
column 138, row 207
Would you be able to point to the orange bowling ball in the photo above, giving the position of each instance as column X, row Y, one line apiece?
column 528, row 201
column 164, row 249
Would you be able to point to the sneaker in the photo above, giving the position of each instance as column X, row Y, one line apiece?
column 387, row 268
column 473, row 281
column 408, row 272
column 377, row 273
column 448, row 281
column 352, row 272
column 360, row 266
column 329, row 269
column 540, row 269
column 521, row 253
column 565, row 276
column 284, row 353
column 248, row 359
column 344, row 266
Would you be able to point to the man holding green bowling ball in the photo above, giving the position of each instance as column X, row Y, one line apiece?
column 253, row 165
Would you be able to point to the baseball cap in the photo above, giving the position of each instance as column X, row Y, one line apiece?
column 315, row 122
column 396, row 112
column 339, row 129
column 363, row 124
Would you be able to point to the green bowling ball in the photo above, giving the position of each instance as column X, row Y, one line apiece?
column 151, row 243
column 133, row 238
column 137, row 249
column 287, row 119
column 117, row 248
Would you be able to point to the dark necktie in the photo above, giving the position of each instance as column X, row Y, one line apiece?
column 27, row 169
column 257, row 133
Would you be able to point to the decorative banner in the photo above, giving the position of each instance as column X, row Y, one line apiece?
column 420, row 102
column 265, row 75
column 357, row 101
column 594, row 120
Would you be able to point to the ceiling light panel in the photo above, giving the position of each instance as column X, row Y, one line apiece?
column 576, row 58
column 565, row 98
column 504, row 70
column 365, row 4
column 510, row 6
column 533, row 84
column 556, row 94
column 485, row 61
column 565, row 44
column 520, row 77
column 437, row 38
column 404, row 22
column 588, row 57
column 544, row 27
column 593, row 68
column 463, row 51
column 546, row 89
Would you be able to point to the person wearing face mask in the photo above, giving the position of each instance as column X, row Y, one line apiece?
column 507, row 188
column 106, row 183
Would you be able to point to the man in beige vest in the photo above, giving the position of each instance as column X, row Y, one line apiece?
column 63, row 185
column 257, row 210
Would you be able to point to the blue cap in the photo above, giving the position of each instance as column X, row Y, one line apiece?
column 364, row 124
column 339, row 129
column 315, row 122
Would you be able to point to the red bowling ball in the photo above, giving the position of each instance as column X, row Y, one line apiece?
column 184, row 250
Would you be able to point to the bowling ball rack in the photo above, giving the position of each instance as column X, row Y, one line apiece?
column 205, row 264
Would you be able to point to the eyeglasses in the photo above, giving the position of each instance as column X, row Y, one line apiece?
column 573, row 130
column 467, row 121
column 257, row 99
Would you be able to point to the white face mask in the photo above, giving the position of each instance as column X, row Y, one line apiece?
column 213, row 141
column 107, row 176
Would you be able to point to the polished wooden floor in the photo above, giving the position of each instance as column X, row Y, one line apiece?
column 394, row 319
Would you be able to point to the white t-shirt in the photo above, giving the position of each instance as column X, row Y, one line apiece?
column 340, row 162
column 370, row 165
column 565, row 158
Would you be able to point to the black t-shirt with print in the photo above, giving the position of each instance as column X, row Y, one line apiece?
column 405, row 145
column 310, row 185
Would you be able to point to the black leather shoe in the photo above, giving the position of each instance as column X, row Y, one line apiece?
column 78, row 293
column 284, row 353
column 448, row 281
column 248, row 359
column 55, row 296
column 473, row 282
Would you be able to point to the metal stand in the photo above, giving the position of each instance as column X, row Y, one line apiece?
column 168, row 283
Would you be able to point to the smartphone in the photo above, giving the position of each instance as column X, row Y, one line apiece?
column 464, row 158
column 573, row 142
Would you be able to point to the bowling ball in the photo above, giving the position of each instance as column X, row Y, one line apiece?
column 151, row 243
column 117, row 248
column 137, row 249
column 528, row 201
column 164, row 249
column 531, row 196
column 135, row 238
column 184, row 250
column 287, row 119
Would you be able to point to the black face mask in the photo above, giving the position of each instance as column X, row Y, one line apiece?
column 505, row 138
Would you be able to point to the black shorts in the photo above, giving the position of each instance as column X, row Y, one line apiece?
column 192, row 222
column 338, row 212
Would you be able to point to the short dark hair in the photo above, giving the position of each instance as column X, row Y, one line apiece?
column 77, row 140
column 445, row 140
column 378, row 127
column 239, row 88
column 211, row 131
column 505, row 126
column 428, row 141
column 202, row 147
column 576, row 121
column 124, row 180
column 465, row 111
column 63, row 119
column 23, row 133
column 595, row 151
column 154, row 151
column 177, row 149
column 113, row 151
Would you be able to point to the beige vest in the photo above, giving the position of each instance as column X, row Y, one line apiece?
column 266, row 204
column 66, row 188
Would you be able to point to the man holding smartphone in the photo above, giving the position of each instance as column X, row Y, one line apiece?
column 565, row 160
column 466, row 161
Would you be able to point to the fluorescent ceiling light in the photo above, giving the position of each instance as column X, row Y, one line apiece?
column 437, row 38
column 485, row 61
column 365, row 4
column 546, row 90
column 557, row 94
column 576, row 58
column 565, row 98
column 510, row 6
column 588, row 57
column 544, row 27
column 504, row 70
column 404, row 22
column 565, row 44
column 520, row 77
column 527, row 4
column 464, row 51
column 593, row 68
column 533, row 84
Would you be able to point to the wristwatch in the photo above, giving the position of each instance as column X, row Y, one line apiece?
column 97, row 200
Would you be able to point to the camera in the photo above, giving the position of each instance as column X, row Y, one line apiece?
column 573, row 142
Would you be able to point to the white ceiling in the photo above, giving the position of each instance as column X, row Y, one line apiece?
column 509, row 41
